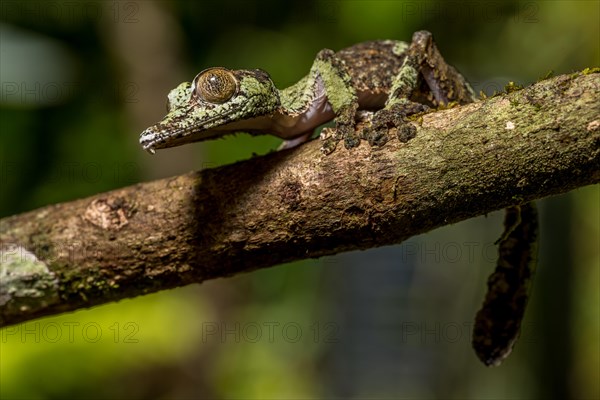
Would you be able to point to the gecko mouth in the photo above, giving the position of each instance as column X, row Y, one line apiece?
column 153, row 139
column 175, row 133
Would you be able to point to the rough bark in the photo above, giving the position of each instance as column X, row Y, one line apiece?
column 299, row 204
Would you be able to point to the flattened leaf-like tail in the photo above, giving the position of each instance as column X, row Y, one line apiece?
column 498, row 323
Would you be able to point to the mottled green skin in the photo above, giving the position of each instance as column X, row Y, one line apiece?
column 340, row 91
column 387, row 75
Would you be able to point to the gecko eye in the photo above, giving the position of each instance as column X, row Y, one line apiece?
column 215, row 85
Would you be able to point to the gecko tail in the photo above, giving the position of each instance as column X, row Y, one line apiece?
column 498, row 323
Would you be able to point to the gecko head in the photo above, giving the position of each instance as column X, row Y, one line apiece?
column 217, row 102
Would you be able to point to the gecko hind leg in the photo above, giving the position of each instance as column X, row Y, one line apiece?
column 423, row 62
column 445, row 83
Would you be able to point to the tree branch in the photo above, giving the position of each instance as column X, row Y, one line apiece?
column 298, row 204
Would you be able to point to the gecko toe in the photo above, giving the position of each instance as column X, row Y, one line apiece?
column 406, row 132
column 376, row 137
column 351, row 139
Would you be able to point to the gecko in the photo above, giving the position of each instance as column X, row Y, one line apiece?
column 392, row 80
column 377, row 75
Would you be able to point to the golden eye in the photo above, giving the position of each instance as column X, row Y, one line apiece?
column 215, row 85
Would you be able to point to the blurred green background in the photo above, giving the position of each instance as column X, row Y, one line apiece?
column 81, row 80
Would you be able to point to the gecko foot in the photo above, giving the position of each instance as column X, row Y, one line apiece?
column 393, row 118
column 406, row 132
column 342, row 132
column 351, row 139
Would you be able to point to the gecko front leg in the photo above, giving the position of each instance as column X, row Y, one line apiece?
column 326, row 92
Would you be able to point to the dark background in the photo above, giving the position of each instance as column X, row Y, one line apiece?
column 81, row 80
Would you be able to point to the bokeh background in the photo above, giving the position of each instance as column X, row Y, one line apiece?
column 81, row 80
